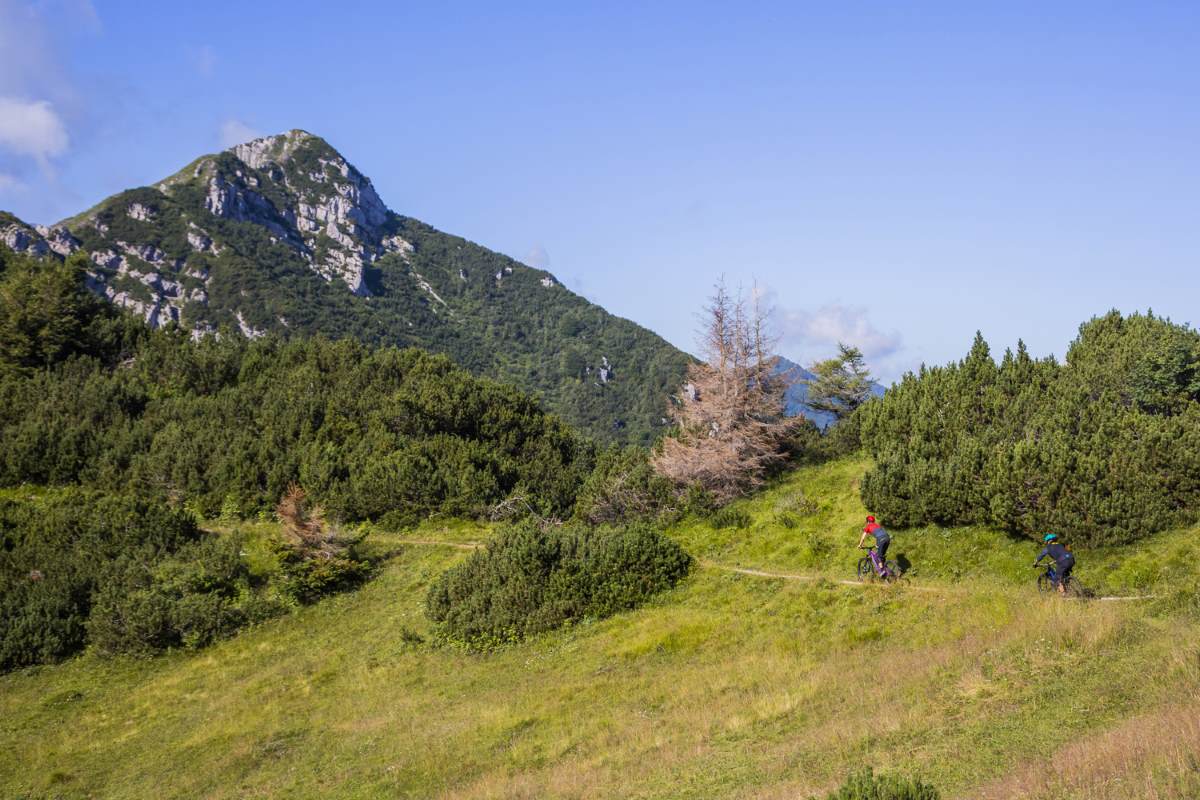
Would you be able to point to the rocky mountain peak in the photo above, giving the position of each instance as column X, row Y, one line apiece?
column 152, row 248
column 282, row 235
column 276, row 149
column 310, row 197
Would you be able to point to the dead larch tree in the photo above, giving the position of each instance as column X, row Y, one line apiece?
column 729, row 415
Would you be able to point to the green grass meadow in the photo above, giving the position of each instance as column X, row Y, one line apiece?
column 730, row 685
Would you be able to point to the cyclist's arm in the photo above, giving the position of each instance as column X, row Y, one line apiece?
column 862, row 538
column 1041, row 555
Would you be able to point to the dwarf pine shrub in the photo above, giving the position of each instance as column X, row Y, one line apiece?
column 866, row 785
column 1104, row 448
column 532, row 578
column 57, row 551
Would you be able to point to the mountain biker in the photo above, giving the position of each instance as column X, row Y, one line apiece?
column 882, row 538
column 1064, row 559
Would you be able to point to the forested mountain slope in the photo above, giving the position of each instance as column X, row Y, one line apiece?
column 283, row 234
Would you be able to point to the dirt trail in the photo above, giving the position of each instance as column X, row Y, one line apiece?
column 812, row 578
column 787, row 576
column 436, row 543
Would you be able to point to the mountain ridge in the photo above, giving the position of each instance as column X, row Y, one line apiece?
column 284, row 234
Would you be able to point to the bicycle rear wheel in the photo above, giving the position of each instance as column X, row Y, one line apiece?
column 1074, row 588
column 893, row 572
column 866, row 571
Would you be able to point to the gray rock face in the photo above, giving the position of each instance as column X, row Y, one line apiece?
column 334, row 217
column 300, row 190
column 24, row 239
column 200, row 241
column 123, row 264
column 59, row 240
column 140, row 212
column 248, row 330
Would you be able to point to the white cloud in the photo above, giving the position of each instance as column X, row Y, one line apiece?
column 235, row 131
column 816, row 335
column 32, row 129
column 831, row 324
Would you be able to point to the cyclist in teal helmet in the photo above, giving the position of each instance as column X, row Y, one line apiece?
column 1063, row 558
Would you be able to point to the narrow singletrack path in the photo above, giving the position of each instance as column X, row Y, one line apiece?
column 786, row 576
column 436, row 543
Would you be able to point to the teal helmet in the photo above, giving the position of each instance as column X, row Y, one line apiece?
column 1050, row 537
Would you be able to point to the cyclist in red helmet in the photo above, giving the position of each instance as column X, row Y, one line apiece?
column 882, row 538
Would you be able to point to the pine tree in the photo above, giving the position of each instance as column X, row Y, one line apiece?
column 841, row 384
column 1104, row 448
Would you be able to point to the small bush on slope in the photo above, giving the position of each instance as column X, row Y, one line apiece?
column 314, row 557
column 625, row 487
column 533, row 578
column 866, row 785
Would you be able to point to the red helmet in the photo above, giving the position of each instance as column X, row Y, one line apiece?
column 870, row 519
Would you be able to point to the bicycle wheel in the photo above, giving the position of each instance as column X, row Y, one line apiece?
column 1074, row 588
column 866, row 571
column 1045, row 585
column 893, row 572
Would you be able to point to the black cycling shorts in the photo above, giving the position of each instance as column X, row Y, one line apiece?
column 1064, row 570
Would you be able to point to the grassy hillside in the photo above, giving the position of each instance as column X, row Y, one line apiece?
column 731, row 685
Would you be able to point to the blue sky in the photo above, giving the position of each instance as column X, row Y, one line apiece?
column 896, row 175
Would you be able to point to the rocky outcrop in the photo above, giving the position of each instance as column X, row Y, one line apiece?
column 248, row 330
column 38, row 240
column 119, row 266
column 140, row 212
column 200, row 241
column 24, row 239
column 334, row 217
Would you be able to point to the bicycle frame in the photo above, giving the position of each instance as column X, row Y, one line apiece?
column 880, row 568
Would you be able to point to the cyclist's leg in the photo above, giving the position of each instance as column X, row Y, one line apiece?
column 1064, row 575
column 882, row 548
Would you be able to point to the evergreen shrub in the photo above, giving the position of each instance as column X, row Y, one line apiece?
column 533, row 578
column 866, row 785
column 1104, row 448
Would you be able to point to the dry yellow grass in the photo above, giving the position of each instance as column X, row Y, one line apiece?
column 1153, row 756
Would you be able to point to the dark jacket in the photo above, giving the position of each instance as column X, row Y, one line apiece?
column 1058, row 552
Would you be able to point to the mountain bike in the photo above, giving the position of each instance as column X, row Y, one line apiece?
column 871, row 567
column 1048, row 582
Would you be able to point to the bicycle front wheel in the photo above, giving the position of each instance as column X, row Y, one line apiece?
column 866, row 571
column 1045, row 584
